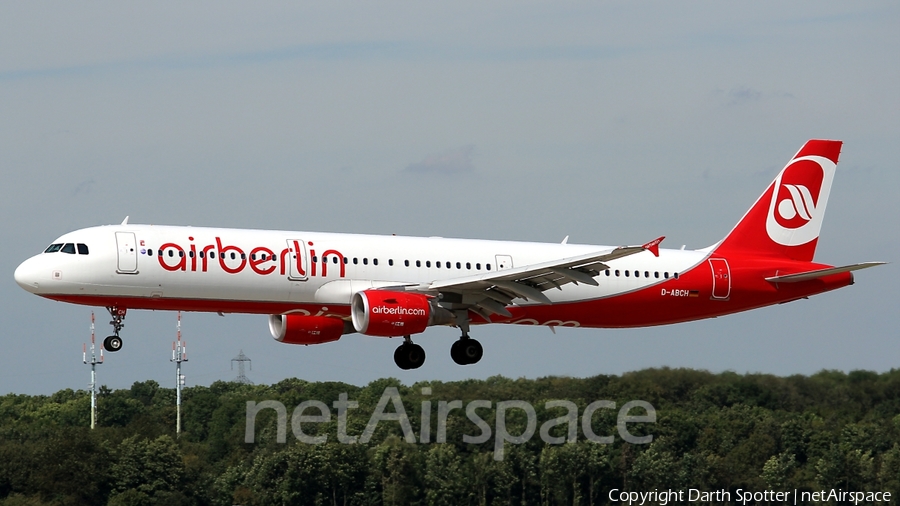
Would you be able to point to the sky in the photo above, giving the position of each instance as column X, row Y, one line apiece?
column 608, row 122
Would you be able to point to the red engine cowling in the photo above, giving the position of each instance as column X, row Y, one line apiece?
column 385, row 313
column 302, row 329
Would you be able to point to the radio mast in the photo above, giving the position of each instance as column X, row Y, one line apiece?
column 179, row 355
column 94, row 363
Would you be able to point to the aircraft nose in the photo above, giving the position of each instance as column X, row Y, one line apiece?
column 27, row 275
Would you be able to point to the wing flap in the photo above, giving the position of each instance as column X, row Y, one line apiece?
column 529, row 281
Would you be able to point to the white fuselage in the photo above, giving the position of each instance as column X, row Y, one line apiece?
column 206, row 265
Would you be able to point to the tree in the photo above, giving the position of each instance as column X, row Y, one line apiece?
column 777, row 469
column 446, row 477
column 148, row 466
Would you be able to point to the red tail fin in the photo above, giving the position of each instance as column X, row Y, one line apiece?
column 786, row 220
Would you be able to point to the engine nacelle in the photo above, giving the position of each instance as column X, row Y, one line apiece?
column 385, row 313
column 302, row 329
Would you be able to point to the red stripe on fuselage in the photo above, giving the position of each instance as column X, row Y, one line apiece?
column 672, row 301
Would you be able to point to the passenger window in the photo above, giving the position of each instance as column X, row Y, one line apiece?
column 346, row 260
column 53, row 248
column 447, row 264
column 418, row 263
column 427, row 263
column 150, row 252
column 314, row 259
column 191, row 254
column 391, row 262
column 82, row 249
column 666, row 274
column 365, row 261
column 160, row 252
column 212, row 254
column 374, row 261
column 469, row 266
column 487, row 266
column 406, row 263
column 478, row 266
column 626, row 273
column 233, row 256
column 202, row 254
column 676, row 275
column 607, row 272
column 646, row 274
column 243, row 256
column 355, row 260
column 617, row 272
column 69, row 248
column 437, row 264
column 171, row 253
column 334, row 260
column 181, row 254
column 656, row 274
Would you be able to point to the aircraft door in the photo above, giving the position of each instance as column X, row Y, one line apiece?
column 297, row 261
column 504, row 262
column 721, row 278
column 127, row 253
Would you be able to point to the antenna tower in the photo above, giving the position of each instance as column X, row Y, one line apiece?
column 94, row 363
column 179, row 355
column 240, row 359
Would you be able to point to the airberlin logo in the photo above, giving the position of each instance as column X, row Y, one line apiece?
column 800, row 204
column 398, row 311
column 798, row 200
column 261, row 260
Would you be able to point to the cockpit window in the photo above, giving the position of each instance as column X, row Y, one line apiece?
column 82, row 249
column 68, row 248
column 53, row 248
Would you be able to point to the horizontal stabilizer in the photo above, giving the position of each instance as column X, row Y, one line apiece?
column 821, row 273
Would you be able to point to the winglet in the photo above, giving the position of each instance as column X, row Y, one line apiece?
column 653, row 246
column 125, row 221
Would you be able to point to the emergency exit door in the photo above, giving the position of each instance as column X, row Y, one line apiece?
column 721, row 278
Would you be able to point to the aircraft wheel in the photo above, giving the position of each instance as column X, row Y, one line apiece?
column 466, row 351
column 409, row 356
column 112, row 344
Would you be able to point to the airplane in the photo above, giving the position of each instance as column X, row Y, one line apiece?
column 317, row 287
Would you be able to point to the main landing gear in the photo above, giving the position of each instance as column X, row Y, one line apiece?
column 466, row 351
column 113, row 343
column 409, row 355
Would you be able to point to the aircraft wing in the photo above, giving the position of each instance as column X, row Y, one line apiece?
column 490, row 292
column 820, row 273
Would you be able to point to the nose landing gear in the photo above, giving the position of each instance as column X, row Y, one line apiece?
column 409, row 355
column 113, row 343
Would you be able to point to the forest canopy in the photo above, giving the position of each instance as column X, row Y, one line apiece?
column 714, row 432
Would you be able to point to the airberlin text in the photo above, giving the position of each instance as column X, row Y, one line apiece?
column 412, row 311
column 260, row 259
column 556, row 431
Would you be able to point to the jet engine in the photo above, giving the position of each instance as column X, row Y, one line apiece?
column 302, row 329
column 385, row 313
